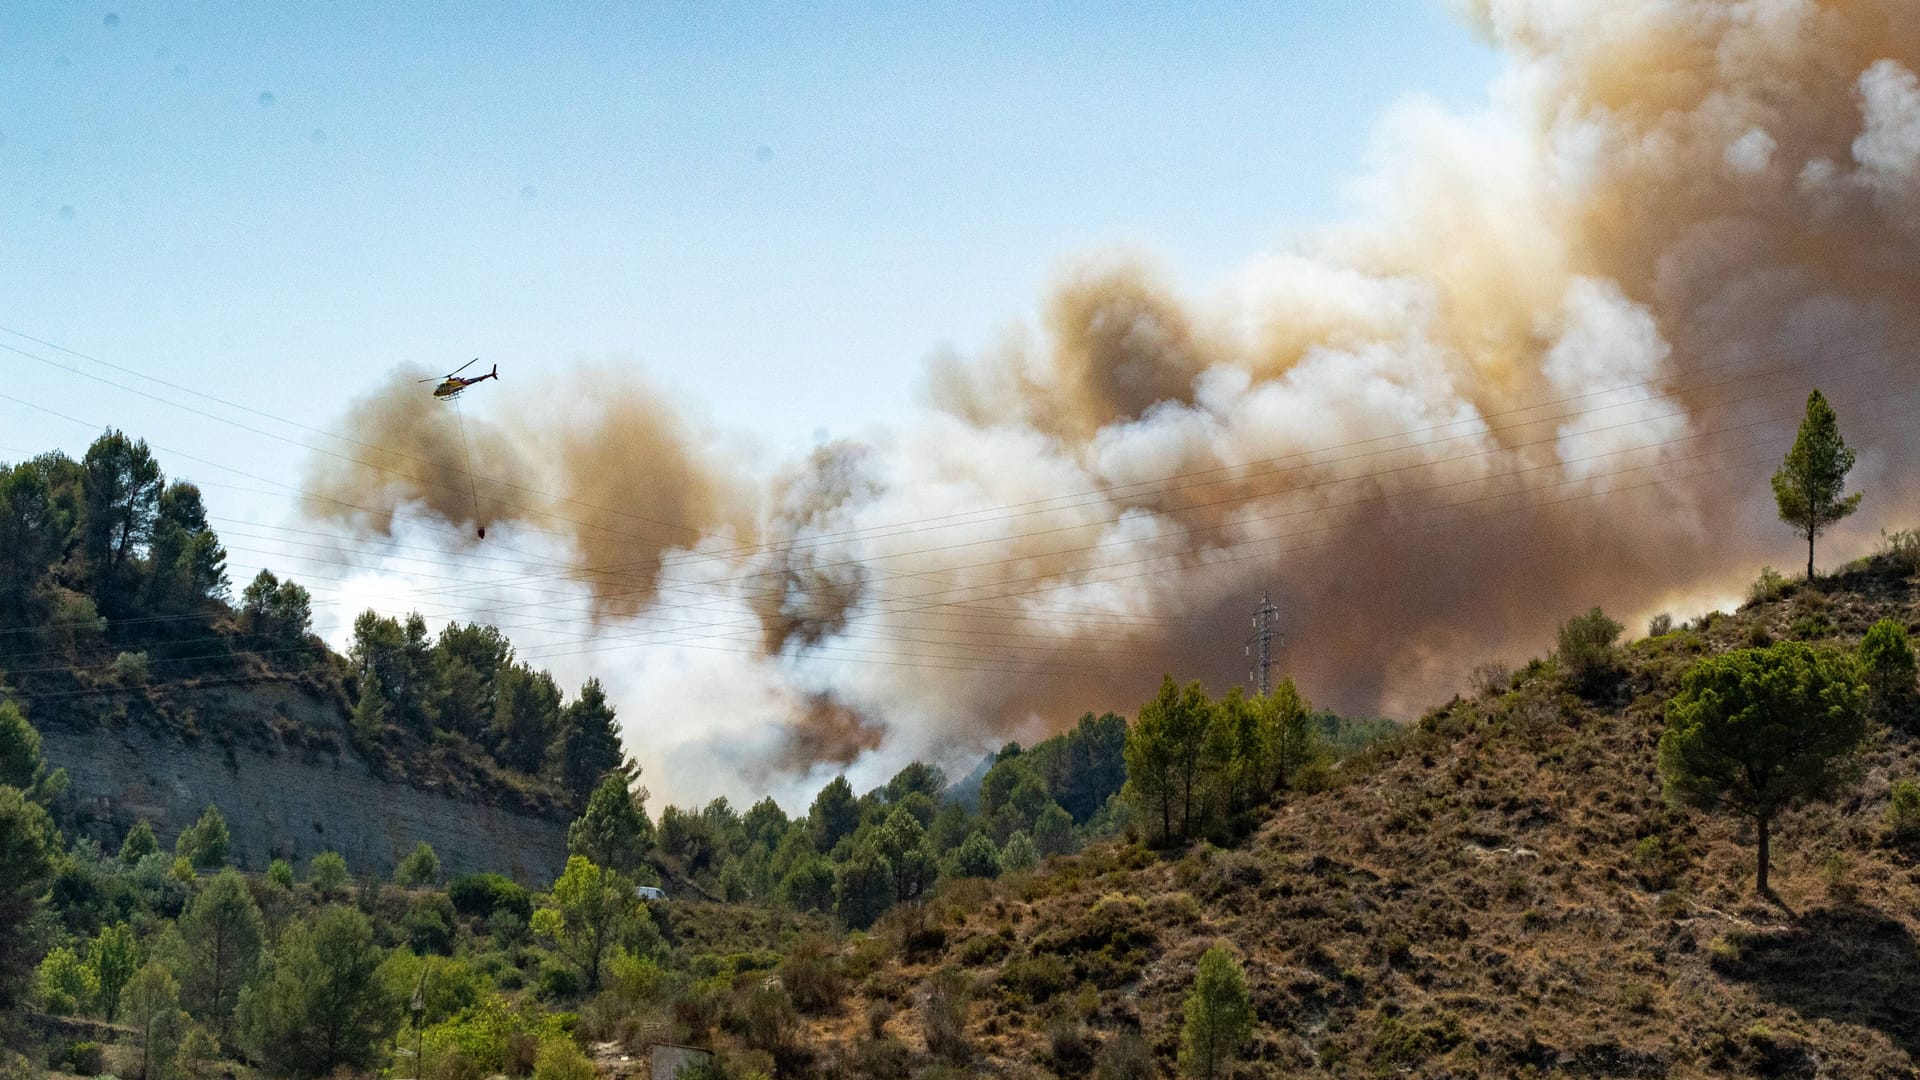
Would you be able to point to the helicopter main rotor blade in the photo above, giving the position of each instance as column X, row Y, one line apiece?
column 464, row 366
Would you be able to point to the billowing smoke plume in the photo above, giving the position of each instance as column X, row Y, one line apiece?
column 1548, row 365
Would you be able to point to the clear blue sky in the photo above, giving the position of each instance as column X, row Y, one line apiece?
column 779, row 210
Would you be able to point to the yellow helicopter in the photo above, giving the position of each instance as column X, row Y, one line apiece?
column 451, row 386
column 449, row 390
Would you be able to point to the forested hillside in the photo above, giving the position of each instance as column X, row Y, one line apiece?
column 116, row 610
column 1565, row 871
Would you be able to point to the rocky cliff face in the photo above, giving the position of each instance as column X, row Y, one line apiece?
column 291, row 802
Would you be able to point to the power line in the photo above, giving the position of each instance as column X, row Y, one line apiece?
column 903, row 600
column 819, row 539
column 926, row 606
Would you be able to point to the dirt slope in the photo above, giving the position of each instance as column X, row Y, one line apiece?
column 1502, row 892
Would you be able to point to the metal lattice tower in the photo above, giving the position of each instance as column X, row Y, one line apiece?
column 1264, row 638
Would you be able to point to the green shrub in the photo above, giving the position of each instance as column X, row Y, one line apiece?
column 420, row 867
column 1814, row 627
column 485, row 1039
column 67, row 986
column 811, row 973
column 130, row 669
column 559, row 1059
column 558, row 982
column 87, row 1058
column 700, row 1007
column 1659, row 864
column 1106, row 945
column 983, row 949
column 327, row 873
column 883, row 1058
column 1315, row 777
column 1404, row 1042
column 1771, row 585
column 1071, row 1047
column 1125, row 1057
column 428, row 925
column 1035, row 979
column 1836, row 873
column 204, row 843
column 1218, row 1014
column 1637, row 998
column 479, row 896
column 1887, row 654
column 634, row 980
column 1586, row 650
column 1660, row 625
column 1902, row 546
column 944, row 1019
column 1903, row 810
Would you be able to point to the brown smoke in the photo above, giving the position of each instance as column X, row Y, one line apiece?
column 591, row 455
column 827, row 732
column 1549, row 366
column 802, row 599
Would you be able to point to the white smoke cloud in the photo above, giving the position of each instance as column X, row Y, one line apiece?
column 1405, row 427
column 1888, row 148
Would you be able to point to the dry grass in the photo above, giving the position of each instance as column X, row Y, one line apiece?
column 1503, row 893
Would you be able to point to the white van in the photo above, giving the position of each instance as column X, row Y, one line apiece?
column 648, row 892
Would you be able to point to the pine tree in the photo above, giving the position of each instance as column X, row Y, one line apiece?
column 978, row 856
column 835, row 813
column 67, row 985
column 204, row 843
column 1808, row 485
column 1096, row 765
column 1053, row 832
column 420, row 867
column 613, row 831
column 219, row 940
column 327, row 873
column 21, row 762
column 1244, row 724
column 467, row 661
column 32, row 531
column 186, row 566
column 590, row 910
column 28, row 844
column 153, row 1012
column 1219, row 1016
column 904, row 842
column 1175, row 754
column 122, row 488
column 589, row 744
column 526, row 710
column 1756, row 730
column 319, row 1003
column 1887, row 654
column 139, row 844
column 863, row 888
column 1290, row 718
column 1019, row 855
column 113, row 956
